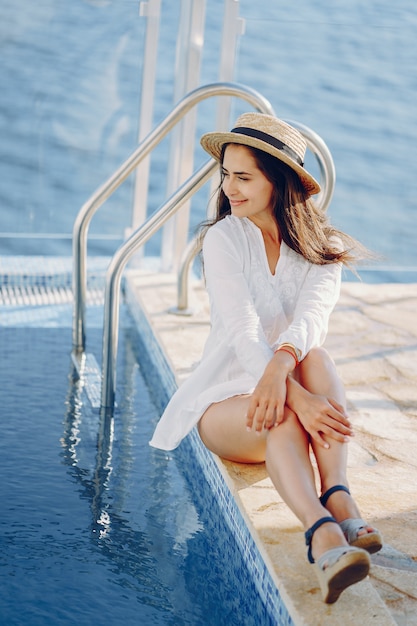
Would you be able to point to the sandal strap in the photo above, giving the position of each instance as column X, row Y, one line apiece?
column 331, row 491
column 310, row 532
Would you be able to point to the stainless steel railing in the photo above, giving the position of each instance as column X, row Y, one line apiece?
column 142, row 234
column 87, row 211
column 152, row 224
column 115, row 271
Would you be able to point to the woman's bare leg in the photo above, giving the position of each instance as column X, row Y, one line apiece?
column 317, row 373
column 287, row 454
column 289, row 466
column 286, row 450
column 222, row 429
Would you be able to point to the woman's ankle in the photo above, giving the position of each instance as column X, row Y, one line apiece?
column 325, row 538
column 342, row 506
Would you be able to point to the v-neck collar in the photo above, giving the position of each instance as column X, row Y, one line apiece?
column 263, row 248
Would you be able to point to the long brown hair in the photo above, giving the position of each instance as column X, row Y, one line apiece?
column 303, row 226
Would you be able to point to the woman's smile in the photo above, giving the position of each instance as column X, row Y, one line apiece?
column 248, row 190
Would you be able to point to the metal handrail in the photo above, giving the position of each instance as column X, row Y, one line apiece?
column 80, row 230
column 327, row 183
column 191, row 251
column 115, row 270
column 325, row 161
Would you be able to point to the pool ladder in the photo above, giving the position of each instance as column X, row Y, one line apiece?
column 151, row 225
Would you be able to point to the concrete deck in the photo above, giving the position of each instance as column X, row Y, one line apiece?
column 373, row 339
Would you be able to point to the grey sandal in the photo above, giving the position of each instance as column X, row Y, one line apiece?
column 337, row 568
column 371, row 542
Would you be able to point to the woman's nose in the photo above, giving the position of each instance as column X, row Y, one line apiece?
column 229, row 186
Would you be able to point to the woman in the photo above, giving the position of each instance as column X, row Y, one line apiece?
column 265, row 390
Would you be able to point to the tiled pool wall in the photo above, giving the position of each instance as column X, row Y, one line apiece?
column 29, row 282
column 159, row 375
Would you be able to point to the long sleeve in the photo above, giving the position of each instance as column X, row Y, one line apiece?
column 315, row 302
column 231, row 302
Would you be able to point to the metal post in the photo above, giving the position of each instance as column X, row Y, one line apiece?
column 190, row 42
column 152, row 10
column 114, row 276
column 233, row 28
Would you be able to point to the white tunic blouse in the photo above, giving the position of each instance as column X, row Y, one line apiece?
column 252, row 312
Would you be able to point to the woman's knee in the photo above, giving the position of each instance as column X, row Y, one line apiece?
column 289, row 427
column 318, row 357
column 317, row 362
column 317, row 372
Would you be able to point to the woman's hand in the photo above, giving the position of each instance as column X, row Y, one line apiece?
column 266, row 406
column 322, row 417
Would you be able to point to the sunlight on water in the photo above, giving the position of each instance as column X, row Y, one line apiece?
column 70, row 83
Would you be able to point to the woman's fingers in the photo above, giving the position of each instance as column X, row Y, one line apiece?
column 332, row 415
column 325, row 420
column 323, row 433
column 338, row 412
column 262, row 415
column 250, row 415
column 318, row 438
column 270, row 416
column 330, row 427
column 329, row 423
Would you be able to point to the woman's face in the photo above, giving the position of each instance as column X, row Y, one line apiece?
column 246, row 187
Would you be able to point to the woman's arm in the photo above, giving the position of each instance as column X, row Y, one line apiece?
column 316, row 300
column 266, row 406
column 320, row 416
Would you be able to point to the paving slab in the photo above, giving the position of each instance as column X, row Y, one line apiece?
column 373, row 340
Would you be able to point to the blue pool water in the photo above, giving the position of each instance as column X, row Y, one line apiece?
column 102, row 530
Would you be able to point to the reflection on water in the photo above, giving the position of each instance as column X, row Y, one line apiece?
column 148, row 553
column 94, row 521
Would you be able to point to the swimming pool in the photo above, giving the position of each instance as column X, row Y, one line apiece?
column 101, row 528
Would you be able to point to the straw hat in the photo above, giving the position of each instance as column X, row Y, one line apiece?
column 269, row 134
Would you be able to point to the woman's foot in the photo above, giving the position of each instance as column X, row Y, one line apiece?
column 337, row 564
column 357, row 532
